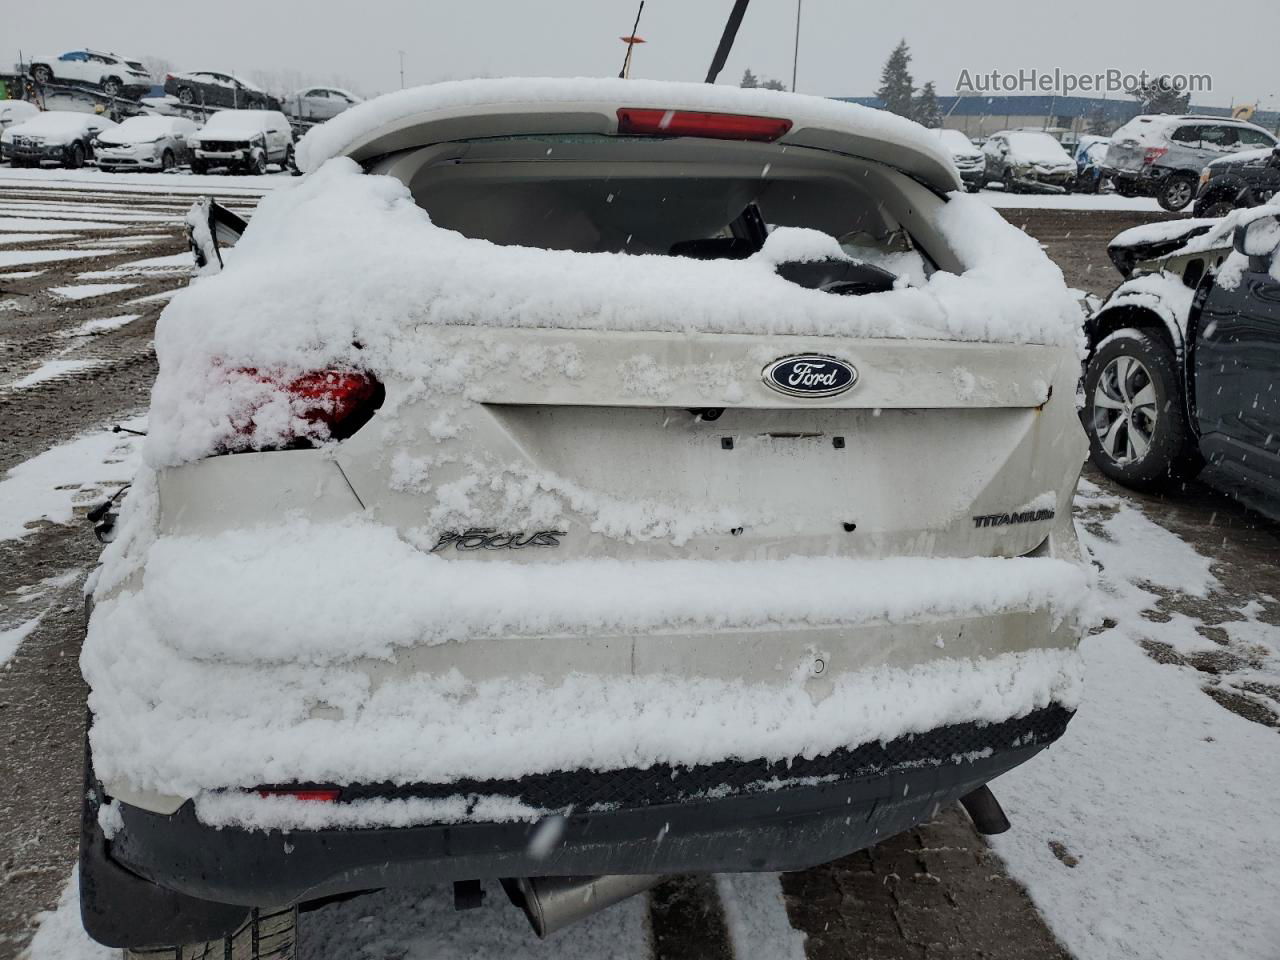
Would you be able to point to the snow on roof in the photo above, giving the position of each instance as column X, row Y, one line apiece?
column 422, row 115
column 142, row 129
column 239, row 122
column 1036, row 147
column 59, row 121
column 957, row 142
column 1244, row 156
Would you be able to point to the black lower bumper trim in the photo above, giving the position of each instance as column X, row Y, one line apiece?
column 808, row 817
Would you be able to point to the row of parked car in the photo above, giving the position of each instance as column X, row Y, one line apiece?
column 1217, row 162
column 241, row 141
column 118, row 76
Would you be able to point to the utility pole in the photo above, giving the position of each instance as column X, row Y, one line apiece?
column 401, row 69
column 795, row 61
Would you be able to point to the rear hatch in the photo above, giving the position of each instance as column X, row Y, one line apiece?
column 644, row 446
column 1129, row 144
column 633, row 444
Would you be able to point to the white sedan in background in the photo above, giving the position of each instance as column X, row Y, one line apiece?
column 145, row 143
column 319, row 103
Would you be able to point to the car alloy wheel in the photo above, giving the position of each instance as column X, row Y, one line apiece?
column 111, row 87
column 1177, row 193
column 186, row 95
column 1124, row 410
column 41, row 74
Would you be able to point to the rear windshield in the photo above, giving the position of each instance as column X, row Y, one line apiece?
column 646, row 196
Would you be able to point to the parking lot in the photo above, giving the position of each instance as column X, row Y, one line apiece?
column 1184, row 660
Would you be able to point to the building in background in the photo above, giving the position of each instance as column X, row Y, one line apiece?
column 980, row 115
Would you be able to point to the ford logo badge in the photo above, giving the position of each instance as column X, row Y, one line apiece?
column 812, row 375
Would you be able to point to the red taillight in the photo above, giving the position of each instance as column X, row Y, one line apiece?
column 645, row 122
column 337, row 402
column 332, row 397
column 315, row 795
column 1152, row 154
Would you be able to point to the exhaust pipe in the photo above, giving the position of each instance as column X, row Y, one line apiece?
column 553, row 903
column 985, row 811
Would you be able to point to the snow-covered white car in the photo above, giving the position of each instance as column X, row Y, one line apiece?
column 242, row 141
column 53, row 136
column 1028, row 160
column 969, row 160
column 114, row 74
column 145, row 143
column 317, row 104
column 570, row 482
column 15, row 111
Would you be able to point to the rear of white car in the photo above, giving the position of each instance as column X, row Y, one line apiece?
column 602, row 478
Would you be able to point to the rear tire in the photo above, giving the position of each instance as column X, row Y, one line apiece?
column 1177, row 191
column 186, row 95
column 41, row 74
column 1135, row 412
column 266, row 935
column 1216, row 208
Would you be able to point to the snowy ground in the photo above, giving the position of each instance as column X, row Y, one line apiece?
column 1151, row 830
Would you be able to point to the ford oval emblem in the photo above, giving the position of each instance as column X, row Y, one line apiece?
column 811, row 375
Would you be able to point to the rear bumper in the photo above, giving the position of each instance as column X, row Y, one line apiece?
column 725, row 817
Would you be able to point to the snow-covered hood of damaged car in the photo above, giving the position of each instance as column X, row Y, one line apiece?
column 344, row 270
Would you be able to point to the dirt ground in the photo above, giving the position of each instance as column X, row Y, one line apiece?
column 936, row 891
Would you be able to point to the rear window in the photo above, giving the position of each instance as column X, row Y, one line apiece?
column 657, row 196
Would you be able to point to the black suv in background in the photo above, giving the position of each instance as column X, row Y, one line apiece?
column 1245, row 180
column 1168, row 397
column 209, row 88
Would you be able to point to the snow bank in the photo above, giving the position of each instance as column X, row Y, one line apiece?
column 345, row 258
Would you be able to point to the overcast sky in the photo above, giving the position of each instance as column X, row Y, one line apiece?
column 842, row 44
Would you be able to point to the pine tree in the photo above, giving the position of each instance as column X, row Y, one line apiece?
column 926, row 110
column 1159, row 95
column 773, row 85
column 896, row 86
column 749, row 79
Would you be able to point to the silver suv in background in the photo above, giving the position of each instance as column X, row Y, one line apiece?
column 243, row 141
column 1161, row 156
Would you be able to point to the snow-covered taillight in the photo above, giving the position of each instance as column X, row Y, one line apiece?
column 276, row 412
column 308, row 794
column 1152, row 154
column 646, row 122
